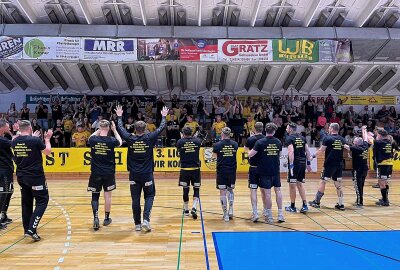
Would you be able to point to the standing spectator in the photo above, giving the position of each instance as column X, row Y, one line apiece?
column 135, row 107
column 36, row 126
column 150, row 127
column 201, row 116
column 309, row 107
column 351, row 113
column 172, row 130
column 96, row 124
column 194, row 126
column 249, row 127
column 159, row 106
column 68, row 127
column 339, row 108
column 174, row 100
column 392, row 113
column 139, row 116
column 42, row 115
column 149, row 109
column 104, row 106
column 56, row 110
column 329, row 106
column 58, row 135
column 297, row 102
column 95, row 112
column 24, row 112
column 320, row 107
column 236, row 123
column 129, row 125
column 308, row 132
column 12, row 114
column 182, row 118
column 217, row 127
column 189, row 107
column 80, row 137
column 321, row 121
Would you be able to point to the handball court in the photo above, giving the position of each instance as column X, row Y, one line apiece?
column 364, row 238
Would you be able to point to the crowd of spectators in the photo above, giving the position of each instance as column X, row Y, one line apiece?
column 74, row 122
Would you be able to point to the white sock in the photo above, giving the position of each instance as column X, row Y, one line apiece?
column 280, row 212
column 341, row 200
column 223, row 204
column 186, row 206
column 195, row 202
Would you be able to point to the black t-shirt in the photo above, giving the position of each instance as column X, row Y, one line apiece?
column 226, row 156
column 383, row 150
column 189, row 108
column 159, row 105
column 173, row 133
column 189, row 149
column 299, row 146
column 41, row 114
column 175, row 103
column 56, row 112
column 130, row 127
column 334, row 149
column 140, row 148
column 359, row 155
column 25, row 114
column 308, row 107
column 200, row 107
column 103, row 155
column 268, row 149
column 28, row 155
column 6, row 162
column 251, row 141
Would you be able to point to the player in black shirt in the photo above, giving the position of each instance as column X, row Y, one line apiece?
column 225, row 152
column 298, row 160
column 141, row 166
column 268, row 165
column 254, row 177
column 359, row 155
column 383, row 150
column 28, row 151
column 333, row 145
column 102, row 169
column 188, row 148
column 6, row 172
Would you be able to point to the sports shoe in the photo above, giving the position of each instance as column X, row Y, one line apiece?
column 314, row 204
column 375, row 186
column 382, row 203
column 380, row 200
column 146, row 226
column 186, row 212
column 339, row 207
column 358, row 205
column 304, row 209
column 138, row 227
column 291, row 209
column 6, row 220
column 3, row 226
column 107, row 222
column 255, row 217
column 32, row 235
column 226, row 217
column 281, row 218
column 194, row 213
column 96, row 224
column 230, row 212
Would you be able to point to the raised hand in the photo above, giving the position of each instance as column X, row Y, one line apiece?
column 164, row 111
column 37, row 134
column 119, row 111
column 113, row 127
column 48, row 134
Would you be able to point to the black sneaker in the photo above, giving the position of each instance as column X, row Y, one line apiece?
column 314, row 204
column 375, row 186
column 3, row 226
column 96, row 224
column 107, row 221
column 6, row 220
column 382, row 203
column 186, row 212
column 194, row 213
column 339, row 207
column 35, row 237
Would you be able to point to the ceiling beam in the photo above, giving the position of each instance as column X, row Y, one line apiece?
column 27, row 10
column 368, row 11
column 311, row 12
column 199, row 14
column 142, row 11
column 255, row 13
column 84, row 7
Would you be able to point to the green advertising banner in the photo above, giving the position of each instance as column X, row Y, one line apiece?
column 289, row 50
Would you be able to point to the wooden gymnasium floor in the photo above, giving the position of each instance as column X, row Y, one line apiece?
column 70, row 243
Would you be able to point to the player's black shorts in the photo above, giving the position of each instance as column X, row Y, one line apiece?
column 254, row 178
column 270, row 181
column 38, row 184
column 6, row 182
column 98, row 182
column 190, row 177
column 333, row 172
column 384, row 172
column 143, row 181
column 226, row 180
column 299, row 173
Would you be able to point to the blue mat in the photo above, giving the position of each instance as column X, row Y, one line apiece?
column 308, row 250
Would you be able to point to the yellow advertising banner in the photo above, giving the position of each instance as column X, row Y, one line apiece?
column 368, row 100
column 396, row 160
column 165, row 160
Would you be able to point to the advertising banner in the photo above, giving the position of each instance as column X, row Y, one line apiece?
column 287, row 50
column 177, row 49
column 233, row 50
column 106, row 49
column 51, row 48
column 368, row 100
column 33, row 99
column 165, row 160
column 11, row 47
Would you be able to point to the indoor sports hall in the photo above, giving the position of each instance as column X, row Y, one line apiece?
column 147, row 74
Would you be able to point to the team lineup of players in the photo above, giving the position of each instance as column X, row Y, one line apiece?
column 26, row 149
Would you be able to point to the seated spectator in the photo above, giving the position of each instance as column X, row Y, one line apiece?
column 357, row 128
column 351, row 113
column 334, row 118
column 300, row 129
column 36, row 126
column 96, row 123
column 80, row 137
column 382, row 113
column 248, row 129
column 130, row 126
column 68, row 127
column 57, row 140
column 321, row 121
column 150, row 127
column 194, row 126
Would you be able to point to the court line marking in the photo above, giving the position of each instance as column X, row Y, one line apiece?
column 204, row 237
column 180, row 243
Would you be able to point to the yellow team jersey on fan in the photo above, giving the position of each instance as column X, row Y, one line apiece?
column 151, row 127
column 246, row 111
column 193, row 125
column 68, row 125
column 218, row 126
column 80, row 139
column 249, row 126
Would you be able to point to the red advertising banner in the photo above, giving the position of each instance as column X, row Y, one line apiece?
column 177, row 49
column 231, row 50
